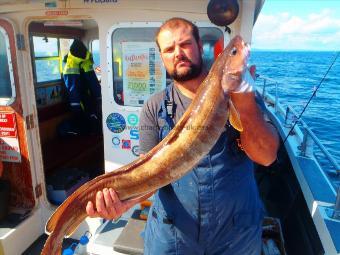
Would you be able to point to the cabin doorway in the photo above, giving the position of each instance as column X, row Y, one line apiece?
column 70, row 129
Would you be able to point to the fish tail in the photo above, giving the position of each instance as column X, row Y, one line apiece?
column 52, row 246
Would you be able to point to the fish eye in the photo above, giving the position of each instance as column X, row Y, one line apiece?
column 233, row 51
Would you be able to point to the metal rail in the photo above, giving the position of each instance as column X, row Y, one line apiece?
column 309, row 138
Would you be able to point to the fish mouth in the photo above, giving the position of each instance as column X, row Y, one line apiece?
column 235, row 77
column 235, row 74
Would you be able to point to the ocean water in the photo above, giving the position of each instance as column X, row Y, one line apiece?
column 298, row 73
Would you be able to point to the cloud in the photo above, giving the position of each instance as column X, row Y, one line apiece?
column 318, row 31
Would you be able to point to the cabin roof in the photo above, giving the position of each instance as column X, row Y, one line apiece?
column 22, row 5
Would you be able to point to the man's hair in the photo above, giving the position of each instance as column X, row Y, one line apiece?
column 176, row 22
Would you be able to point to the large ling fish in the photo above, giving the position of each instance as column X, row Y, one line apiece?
column 192, row 138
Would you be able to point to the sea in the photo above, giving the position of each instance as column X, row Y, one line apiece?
column 298, row 74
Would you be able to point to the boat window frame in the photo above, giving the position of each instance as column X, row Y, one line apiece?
column 10, row 100
column 90, row 47
column 109, row 55
column 59, row 57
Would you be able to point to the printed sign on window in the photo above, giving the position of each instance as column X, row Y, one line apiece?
column 143, row 72
column 9, row 144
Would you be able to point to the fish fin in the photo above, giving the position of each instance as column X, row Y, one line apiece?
column 234, row 117
column 50, row 225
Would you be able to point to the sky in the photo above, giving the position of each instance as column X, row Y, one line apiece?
column 298, row 25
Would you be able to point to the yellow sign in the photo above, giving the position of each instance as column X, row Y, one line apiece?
column 143, row 72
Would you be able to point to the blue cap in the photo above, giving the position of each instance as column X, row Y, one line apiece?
column 84, row 240
column 68, row 251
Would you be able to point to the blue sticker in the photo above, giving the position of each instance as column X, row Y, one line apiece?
column 135, row 150
column 115, row 141
column 116, row 122
column 134, row 134
column 132, row 119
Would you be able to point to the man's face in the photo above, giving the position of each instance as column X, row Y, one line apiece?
column 180, row 52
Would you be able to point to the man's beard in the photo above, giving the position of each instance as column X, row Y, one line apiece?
column 193, row 72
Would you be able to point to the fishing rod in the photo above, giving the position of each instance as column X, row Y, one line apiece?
column 310, row 99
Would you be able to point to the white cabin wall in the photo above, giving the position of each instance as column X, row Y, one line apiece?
column 108, row 15
column 105, row 15
column 247, row 19
column 90, row 35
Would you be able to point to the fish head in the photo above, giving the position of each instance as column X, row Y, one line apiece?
column 236, row 56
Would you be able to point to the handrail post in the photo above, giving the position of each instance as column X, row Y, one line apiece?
column 276, row 97
column 264, row 87
column 289, row 118
column 307, row 144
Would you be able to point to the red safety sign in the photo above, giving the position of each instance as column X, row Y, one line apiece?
column 56, row 13
column 8, row 125
column 9, row 143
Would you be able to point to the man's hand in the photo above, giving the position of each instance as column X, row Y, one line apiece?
column 259, row 139
column 109, row 206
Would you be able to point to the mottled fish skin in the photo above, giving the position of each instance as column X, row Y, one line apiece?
column 192, row 138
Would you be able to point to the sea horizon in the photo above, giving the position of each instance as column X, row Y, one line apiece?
column 293, row 50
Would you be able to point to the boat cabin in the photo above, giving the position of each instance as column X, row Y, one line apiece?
column 47, row 151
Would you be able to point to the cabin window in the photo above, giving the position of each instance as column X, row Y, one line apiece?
column 138, row 71
column 48, row 55
column 212, row 40
column 95, row 53
column 137, row 68
column 94, row 47
column 7, row 92
column 46, row 59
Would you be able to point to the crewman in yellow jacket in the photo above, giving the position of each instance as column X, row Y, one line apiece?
column 84, row 92
column 89, row 77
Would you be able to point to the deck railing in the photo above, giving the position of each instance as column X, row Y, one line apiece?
column 309, row 139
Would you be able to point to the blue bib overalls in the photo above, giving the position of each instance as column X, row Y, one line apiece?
column 214, row 209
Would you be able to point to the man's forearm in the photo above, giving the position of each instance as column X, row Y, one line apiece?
column 259, row 139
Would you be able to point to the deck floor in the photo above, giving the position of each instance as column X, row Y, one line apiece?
column 12, row 220
column 36, row 247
